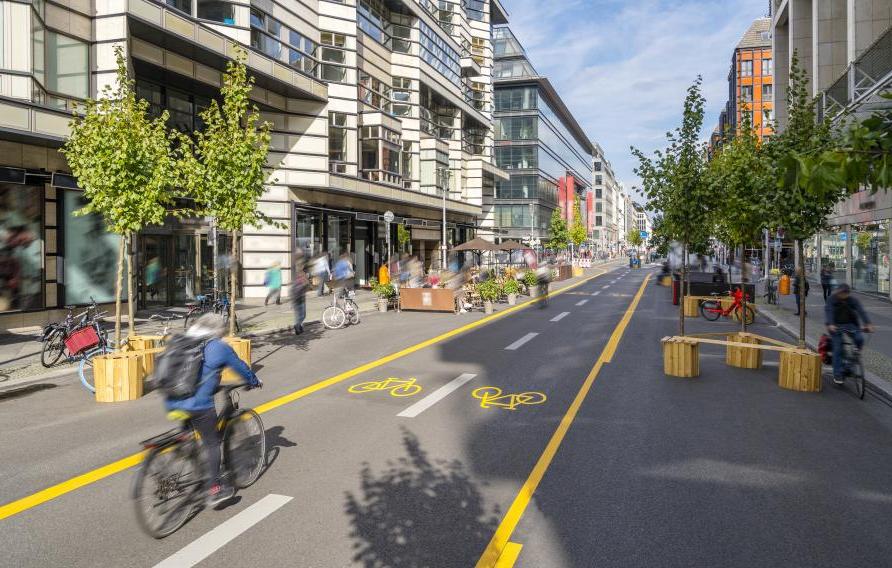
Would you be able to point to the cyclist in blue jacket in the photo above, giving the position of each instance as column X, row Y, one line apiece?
column 217, row 356
column 843, row 313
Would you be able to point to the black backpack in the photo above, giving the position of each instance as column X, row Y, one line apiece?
column 178, row 367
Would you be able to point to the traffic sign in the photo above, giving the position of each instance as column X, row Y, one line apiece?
column 643, row 234
column 843, row 237
column 388, row 216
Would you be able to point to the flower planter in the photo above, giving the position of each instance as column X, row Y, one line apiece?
column 119, row 377
column 512, row 299
column 534, row 291
column 427, row 299
column 382, row 304
column 242, row 348
column 142, row 342
column 487, row 307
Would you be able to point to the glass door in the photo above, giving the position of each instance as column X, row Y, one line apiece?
column 184, row 269
column 155, row 267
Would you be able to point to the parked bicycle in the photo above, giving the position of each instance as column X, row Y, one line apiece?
column 55, row 336
column 343, row 309
column 712, row 310
column 770, row 294
column 165, row 323
column 168, row 486
column 217, row 302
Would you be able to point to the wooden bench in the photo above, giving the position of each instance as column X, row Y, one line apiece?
column 799, row 370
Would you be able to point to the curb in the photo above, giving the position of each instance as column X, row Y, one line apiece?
column 875, row 385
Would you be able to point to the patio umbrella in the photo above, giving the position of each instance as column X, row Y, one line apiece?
column 511, row 245
column 477, row 244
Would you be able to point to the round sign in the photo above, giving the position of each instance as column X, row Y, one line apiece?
column 388, row 216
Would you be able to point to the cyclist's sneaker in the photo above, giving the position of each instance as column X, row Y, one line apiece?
column 838, row 380
column 219, row 493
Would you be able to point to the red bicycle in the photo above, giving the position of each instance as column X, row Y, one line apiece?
column 712, row 309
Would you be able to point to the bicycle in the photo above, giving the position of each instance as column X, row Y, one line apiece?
column 55, row 335
column 852, row 368
column 770, row 294
column 165, row 329
column 711, row 310
column 168, row 487
column 339, row 313
column 204, row 303
column 397, row 387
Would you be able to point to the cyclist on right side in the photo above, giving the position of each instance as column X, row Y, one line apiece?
column 843, row 313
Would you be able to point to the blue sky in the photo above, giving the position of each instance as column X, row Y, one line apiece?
column 622, row 66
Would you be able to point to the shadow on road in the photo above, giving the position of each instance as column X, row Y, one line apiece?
column 271, row 344
column 419, row 512
column 274, row 444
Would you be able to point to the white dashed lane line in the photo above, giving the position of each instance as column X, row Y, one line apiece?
column 596, row 293
column 560, row 316
column 436, row 396
column 520, row 342
column 581, row 302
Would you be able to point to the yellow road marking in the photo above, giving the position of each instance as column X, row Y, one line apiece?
column 54, row 491
column 509, row 555
column 499, row 543
column 492, row 396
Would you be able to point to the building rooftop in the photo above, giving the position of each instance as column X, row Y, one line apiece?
column 758, row 35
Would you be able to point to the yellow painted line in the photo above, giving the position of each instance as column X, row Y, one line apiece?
column 500, row 540
column 509, row 555
column 52, row 492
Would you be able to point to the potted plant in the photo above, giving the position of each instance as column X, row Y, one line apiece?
column 532, row 283
column 511, row 288
column 384, row 292
column 489, row 291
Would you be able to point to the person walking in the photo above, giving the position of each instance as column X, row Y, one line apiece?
column 343, row 272
column 826, row 280
column 321, row 271
column 800, row 294
column 298, row 294
column 273, row 281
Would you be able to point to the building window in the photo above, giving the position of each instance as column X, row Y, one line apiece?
column 746, row 93
column 61, row 63
column 518, row 98
column 767, row 91
column 21, row 247
column 597, row 167
column 90, row 254
column 766, row 116
column 332, row 57
column 401, row 96
column 516, row 128
column 380, row 154
column 374, row 93
column 767, row 67
column 337, row 137
column 371, row 20
column 599, row 180
column 598, row 193
column 746, row 68
column 216, row 11
column 439, row 55
column 401, row 33
column 516, row 157
column 599, row 221
column 271, row 37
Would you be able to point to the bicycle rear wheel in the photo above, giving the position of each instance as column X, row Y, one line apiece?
column 165, row 489
column 333, row 317
column 711, row 310
column 85, row 367
column 857, row 376
column 750, row 315
column 354, row 313
column 52, row 349
column 244, row 447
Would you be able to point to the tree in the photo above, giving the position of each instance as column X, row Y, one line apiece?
column 634, row 238
column 126, row 164
column 658, row 239
column 560, row 236
column 673, row 181
column 223, row 168
column 402, row 236
column 577, row 233
column 800, row 203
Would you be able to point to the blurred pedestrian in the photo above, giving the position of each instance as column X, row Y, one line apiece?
column 273, row 281
column 826, row 280
column 298, row 293
column 343, row 272
column 801, row 294
column 321, row 271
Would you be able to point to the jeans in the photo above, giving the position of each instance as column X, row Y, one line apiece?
column 205, row 423
column 836, row 337
column 274, row 294
column 827, row 289
column 321, row 285
column 800, row 305
column 300, row 313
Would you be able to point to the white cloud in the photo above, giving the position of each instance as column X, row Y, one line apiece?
column 622, row 67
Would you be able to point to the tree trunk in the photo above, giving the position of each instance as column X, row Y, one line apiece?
column 131, row 309
column 801, row 294
column 742, row 290
column 233, row 270
column 118, row 283
column 681, row 289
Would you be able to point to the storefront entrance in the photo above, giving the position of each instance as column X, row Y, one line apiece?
column 167, row 275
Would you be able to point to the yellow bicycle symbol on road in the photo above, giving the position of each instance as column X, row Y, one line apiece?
column 492, row 396
column 397, row 387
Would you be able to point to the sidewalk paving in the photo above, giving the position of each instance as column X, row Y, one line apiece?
column 20, row 351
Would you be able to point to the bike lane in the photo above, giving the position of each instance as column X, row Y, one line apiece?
column 334, row 422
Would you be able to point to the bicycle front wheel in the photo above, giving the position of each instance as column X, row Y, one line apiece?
column 85, row 367
column 333, row 317
column 244, row 447
column 710, row 310
column 52, row 349
column 750, row 315
column 858, row 379
column 165, row 489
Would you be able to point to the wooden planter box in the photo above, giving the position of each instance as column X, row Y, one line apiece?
column 142, row 342
column 800, row 370
column 742, row 357
column 564, row 272
column 428, row 299
column 119, row 376
column 681, row 357
column 691, row 307
column 242, row 348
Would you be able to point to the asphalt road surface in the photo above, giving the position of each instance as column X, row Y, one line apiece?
column 539, row 438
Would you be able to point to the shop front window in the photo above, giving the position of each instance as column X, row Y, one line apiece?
column 308, row 232
column 870, row 258
column 21, row 247
column 339, row 231
column 91, row 254
column 833, row 254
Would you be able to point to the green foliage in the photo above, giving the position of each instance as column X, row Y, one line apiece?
column 673, row 180
column 577, row 233
column 634, row 238
column 402, row 235
column 223, row 169
column 560, row 236
column 489, row 290
column 122, row 159
column 512, row 286
column 530, row 278
column 382, row 290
